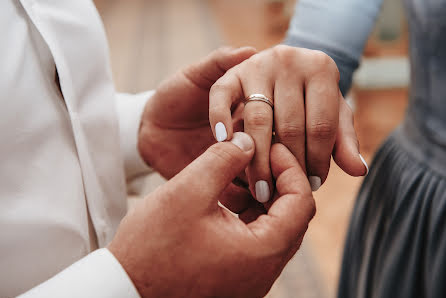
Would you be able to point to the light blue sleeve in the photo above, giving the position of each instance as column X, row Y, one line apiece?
column 340, row 28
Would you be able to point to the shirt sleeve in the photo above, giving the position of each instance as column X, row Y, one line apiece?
column 340, row 28
column 97, row 275
column 130, row 108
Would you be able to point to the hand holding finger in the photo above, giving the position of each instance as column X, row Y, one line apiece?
column 215, row 168
column 251, row 77
column 289, row 215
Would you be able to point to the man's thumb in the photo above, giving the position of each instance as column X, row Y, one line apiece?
column 202, row 181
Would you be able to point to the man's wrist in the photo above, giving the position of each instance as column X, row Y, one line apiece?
column 130, row 109
column 99, row 274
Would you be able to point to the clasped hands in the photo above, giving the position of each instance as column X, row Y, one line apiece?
column 179, row 242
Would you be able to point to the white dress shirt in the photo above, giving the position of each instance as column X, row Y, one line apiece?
column 63, row 152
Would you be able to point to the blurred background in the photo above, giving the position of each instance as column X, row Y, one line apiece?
column 151, row 39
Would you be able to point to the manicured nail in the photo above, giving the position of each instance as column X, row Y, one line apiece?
column 315, row 182
column 220, row 132
column 365, row 164
column 243, row 141
column 262, row 191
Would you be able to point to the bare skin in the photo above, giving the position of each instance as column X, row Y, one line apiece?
column 310, row 116
column 180, row 243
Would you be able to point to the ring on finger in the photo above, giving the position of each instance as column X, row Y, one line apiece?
column 259, row 97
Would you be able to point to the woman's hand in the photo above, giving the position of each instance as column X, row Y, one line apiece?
column 310, row 116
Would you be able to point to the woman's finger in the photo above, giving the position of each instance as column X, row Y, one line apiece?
column 225, row 92
column 259, row 124
column 252, row 77
column 224, row 96
column 346, row 150
column 289, row 116
column 322, row 116
column 257, row 78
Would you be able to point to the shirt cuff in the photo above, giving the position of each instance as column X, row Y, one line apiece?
column 130, row 108
column 98, row 275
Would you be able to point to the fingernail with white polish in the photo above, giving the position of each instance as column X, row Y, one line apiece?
column 262, row 191
column 220, row 132
column 243, row 141
column 365, row 164
column 315, row 182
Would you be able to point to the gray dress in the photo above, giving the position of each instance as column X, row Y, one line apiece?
column 396, row 243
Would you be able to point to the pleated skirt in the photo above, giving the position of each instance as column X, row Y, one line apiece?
column 396, row 242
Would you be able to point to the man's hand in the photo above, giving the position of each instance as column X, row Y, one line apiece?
column 180, row 243
column 175, row 124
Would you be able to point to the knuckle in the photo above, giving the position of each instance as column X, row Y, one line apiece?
column 254, row 62
column 322, row 130
column 290, row 132
column 285, row 54
column 319, row 58
column 257, row 118
column 323, row 63
column 218, row 87
column 223, row 154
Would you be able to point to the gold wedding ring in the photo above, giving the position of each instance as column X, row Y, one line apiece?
column 259, row 97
